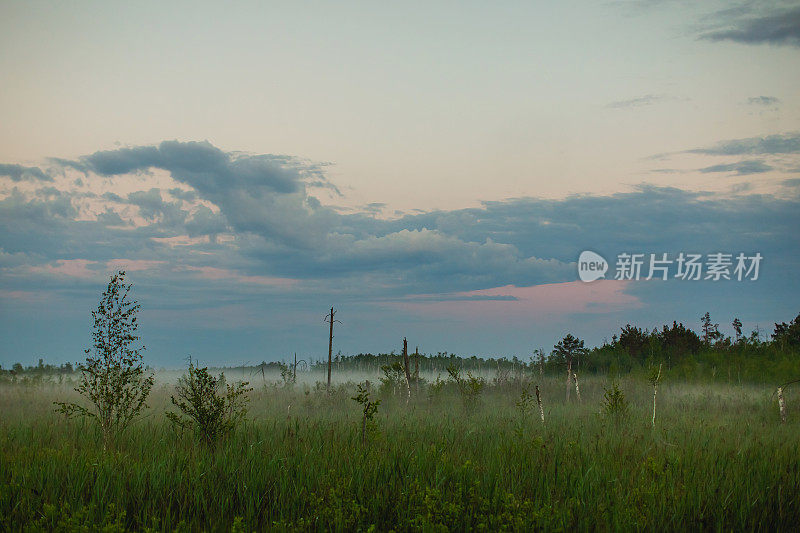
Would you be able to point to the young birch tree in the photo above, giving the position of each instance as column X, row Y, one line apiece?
column 113, row 378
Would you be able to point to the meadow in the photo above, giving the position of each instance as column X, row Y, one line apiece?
column 718, row 458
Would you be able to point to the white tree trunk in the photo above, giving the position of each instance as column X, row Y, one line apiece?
column 539, row 401
column 569, row 376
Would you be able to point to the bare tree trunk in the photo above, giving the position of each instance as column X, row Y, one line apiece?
column 330, row 349
column 539, row 401
column 655, row 392
column 416, row 371
column 407, row 366
column 782, row 404
column 577, row 389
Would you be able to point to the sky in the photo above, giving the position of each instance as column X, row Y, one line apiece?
column 432, row 170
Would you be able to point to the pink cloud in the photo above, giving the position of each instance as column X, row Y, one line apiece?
column 25, row 296
column 132, row 265
column 75, row 268
column 213, row 273
column 520, row 304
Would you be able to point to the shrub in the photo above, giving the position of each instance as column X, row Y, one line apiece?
column 394, row 378
column 469, row 387
column 287, row 375
column 208, row 405
column 614, row 403
column 369, row 408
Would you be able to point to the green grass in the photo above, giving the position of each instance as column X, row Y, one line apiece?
column 719, row 458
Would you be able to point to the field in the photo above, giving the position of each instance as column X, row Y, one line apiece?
column 718, row 458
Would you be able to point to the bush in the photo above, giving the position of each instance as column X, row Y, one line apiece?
column 369, row 408
column 469, row 387
column 208, row 405
column 614, row 403
column 394, row 378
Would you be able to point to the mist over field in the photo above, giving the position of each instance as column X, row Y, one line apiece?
column 419, row 266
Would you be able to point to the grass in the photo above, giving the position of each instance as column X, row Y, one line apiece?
column 719, row 458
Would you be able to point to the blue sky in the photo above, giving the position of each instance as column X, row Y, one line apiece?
column 433, row 171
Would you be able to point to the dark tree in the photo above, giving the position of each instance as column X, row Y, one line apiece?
column 787, row 334
column 634, row 341
column 569, row 350
column 678, row 341
column 710, row 331
column 737, row 328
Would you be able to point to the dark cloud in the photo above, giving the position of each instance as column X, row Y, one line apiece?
column 264, row 194
column 153, row 207
column 205, row 222
column 764, row 101
column 522, row 241
column 114, row 197
column 34, row 225
column 180, row 194
column 742, row 168
column 748, row 25
column 199, row 164
column 374, row 207
column 111, row 218
column 648, row 99
column 788, row 143
column 20, row 173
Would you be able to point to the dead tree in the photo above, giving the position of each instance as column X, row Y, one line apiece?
column 407, row 366
column 331, row 319
column 416, row 370
column 655, row 379
column 539, row 402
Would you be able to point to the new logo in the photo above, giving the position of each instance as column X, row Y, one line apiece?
column 591, row 266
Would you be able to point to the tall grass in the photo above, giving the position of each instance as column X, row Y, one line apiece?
column 719, row 458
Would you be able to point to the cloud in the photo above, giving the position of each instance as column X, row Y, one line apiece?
column 742, row 168
column 521, row 304
column 212, row 273
column 648, row 99
column 262, row 194
column 787, row 143
column 22, row 173
column 205, row 167
column 226, row 239
column 133, row 265
column 461, row 297
column 764, row 101
column 181, row 194
column 76, row 268
column 252, row 229
column 779, row 26
column 153, row 207
column 206, row 222
column 111, row 218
